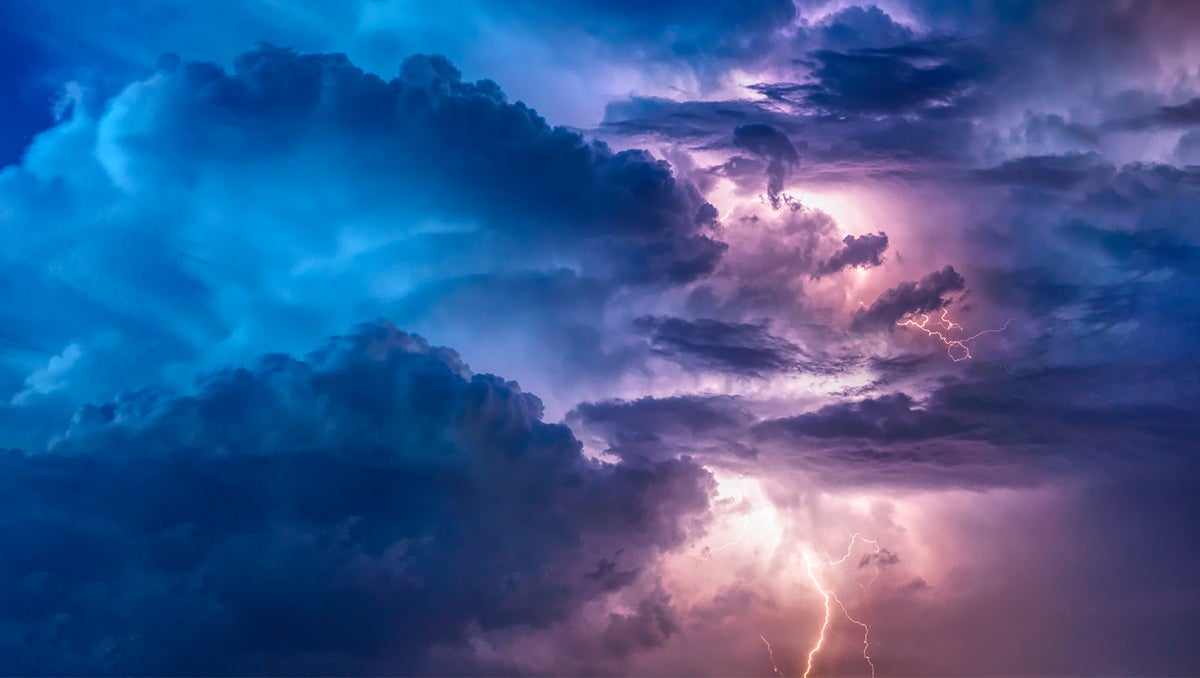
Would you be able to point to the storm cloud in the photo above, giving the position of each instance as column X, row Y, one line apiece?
column 863, row 250
column 773, row 146
column 919, row 296
column 341, row 503
column 693, row 231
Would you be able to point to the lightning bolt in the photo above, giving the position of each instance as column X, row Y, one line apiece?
column 706, row 552
column 866, row 634
column 850, row 549
column 827, row 596
column 771, row 654
column 957, row 349
column 808, row 563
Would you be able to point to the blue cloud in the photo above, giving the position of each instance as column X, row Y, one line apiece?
column 328, row 514
column 207, row 215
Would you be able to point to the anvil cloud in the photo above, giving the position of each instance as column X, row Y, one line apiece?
column 494, row 338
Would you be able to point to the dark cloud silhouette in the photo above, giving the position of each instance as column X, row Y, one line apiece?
column 858, row 26
column 1185, row 115
column 773, row 146
column 695, row 414
column 885, row 419
column 921, row 296
column 474, row 153
column 738, row 348
column 864, row 250
column 337, row 514
column 937, row 77
column 649, row 626
column 711, row 428
column 1046, row 172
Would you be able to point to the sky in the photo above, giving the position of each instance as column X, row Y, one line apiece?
column 482, row 337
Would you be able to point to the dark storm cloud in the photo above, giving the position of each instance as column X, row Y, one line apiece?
column 1052, row 406
column 1143, row 250
column 685, row 120
column 338, row 514
column 989, row 427
column 773, row 146
column 894, row 102
column 1102, row 269
column 937, row 77
column 711, row 428
column 649, row 626
column 1183, row 115
column 920, row 296
column 857, row 27
column 273, row 202
column 738, row 348
column 864, row 250
column 476, row 154
column 694, row 414
column 1046, row 172
column 886, row 419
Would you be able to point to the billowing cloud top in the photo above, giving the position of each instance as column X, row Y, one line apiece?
column 291, row 517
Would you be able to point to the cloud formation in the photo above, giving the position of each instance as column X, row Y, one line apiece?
column 342, row 504
column 597, row 228
column 919, row 296
column 737, row 348
column 863, row 251
column 773, row 146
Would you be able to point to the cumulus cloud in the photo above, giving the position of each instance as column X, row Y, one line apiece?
column 262, row 206
column 342, row 513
